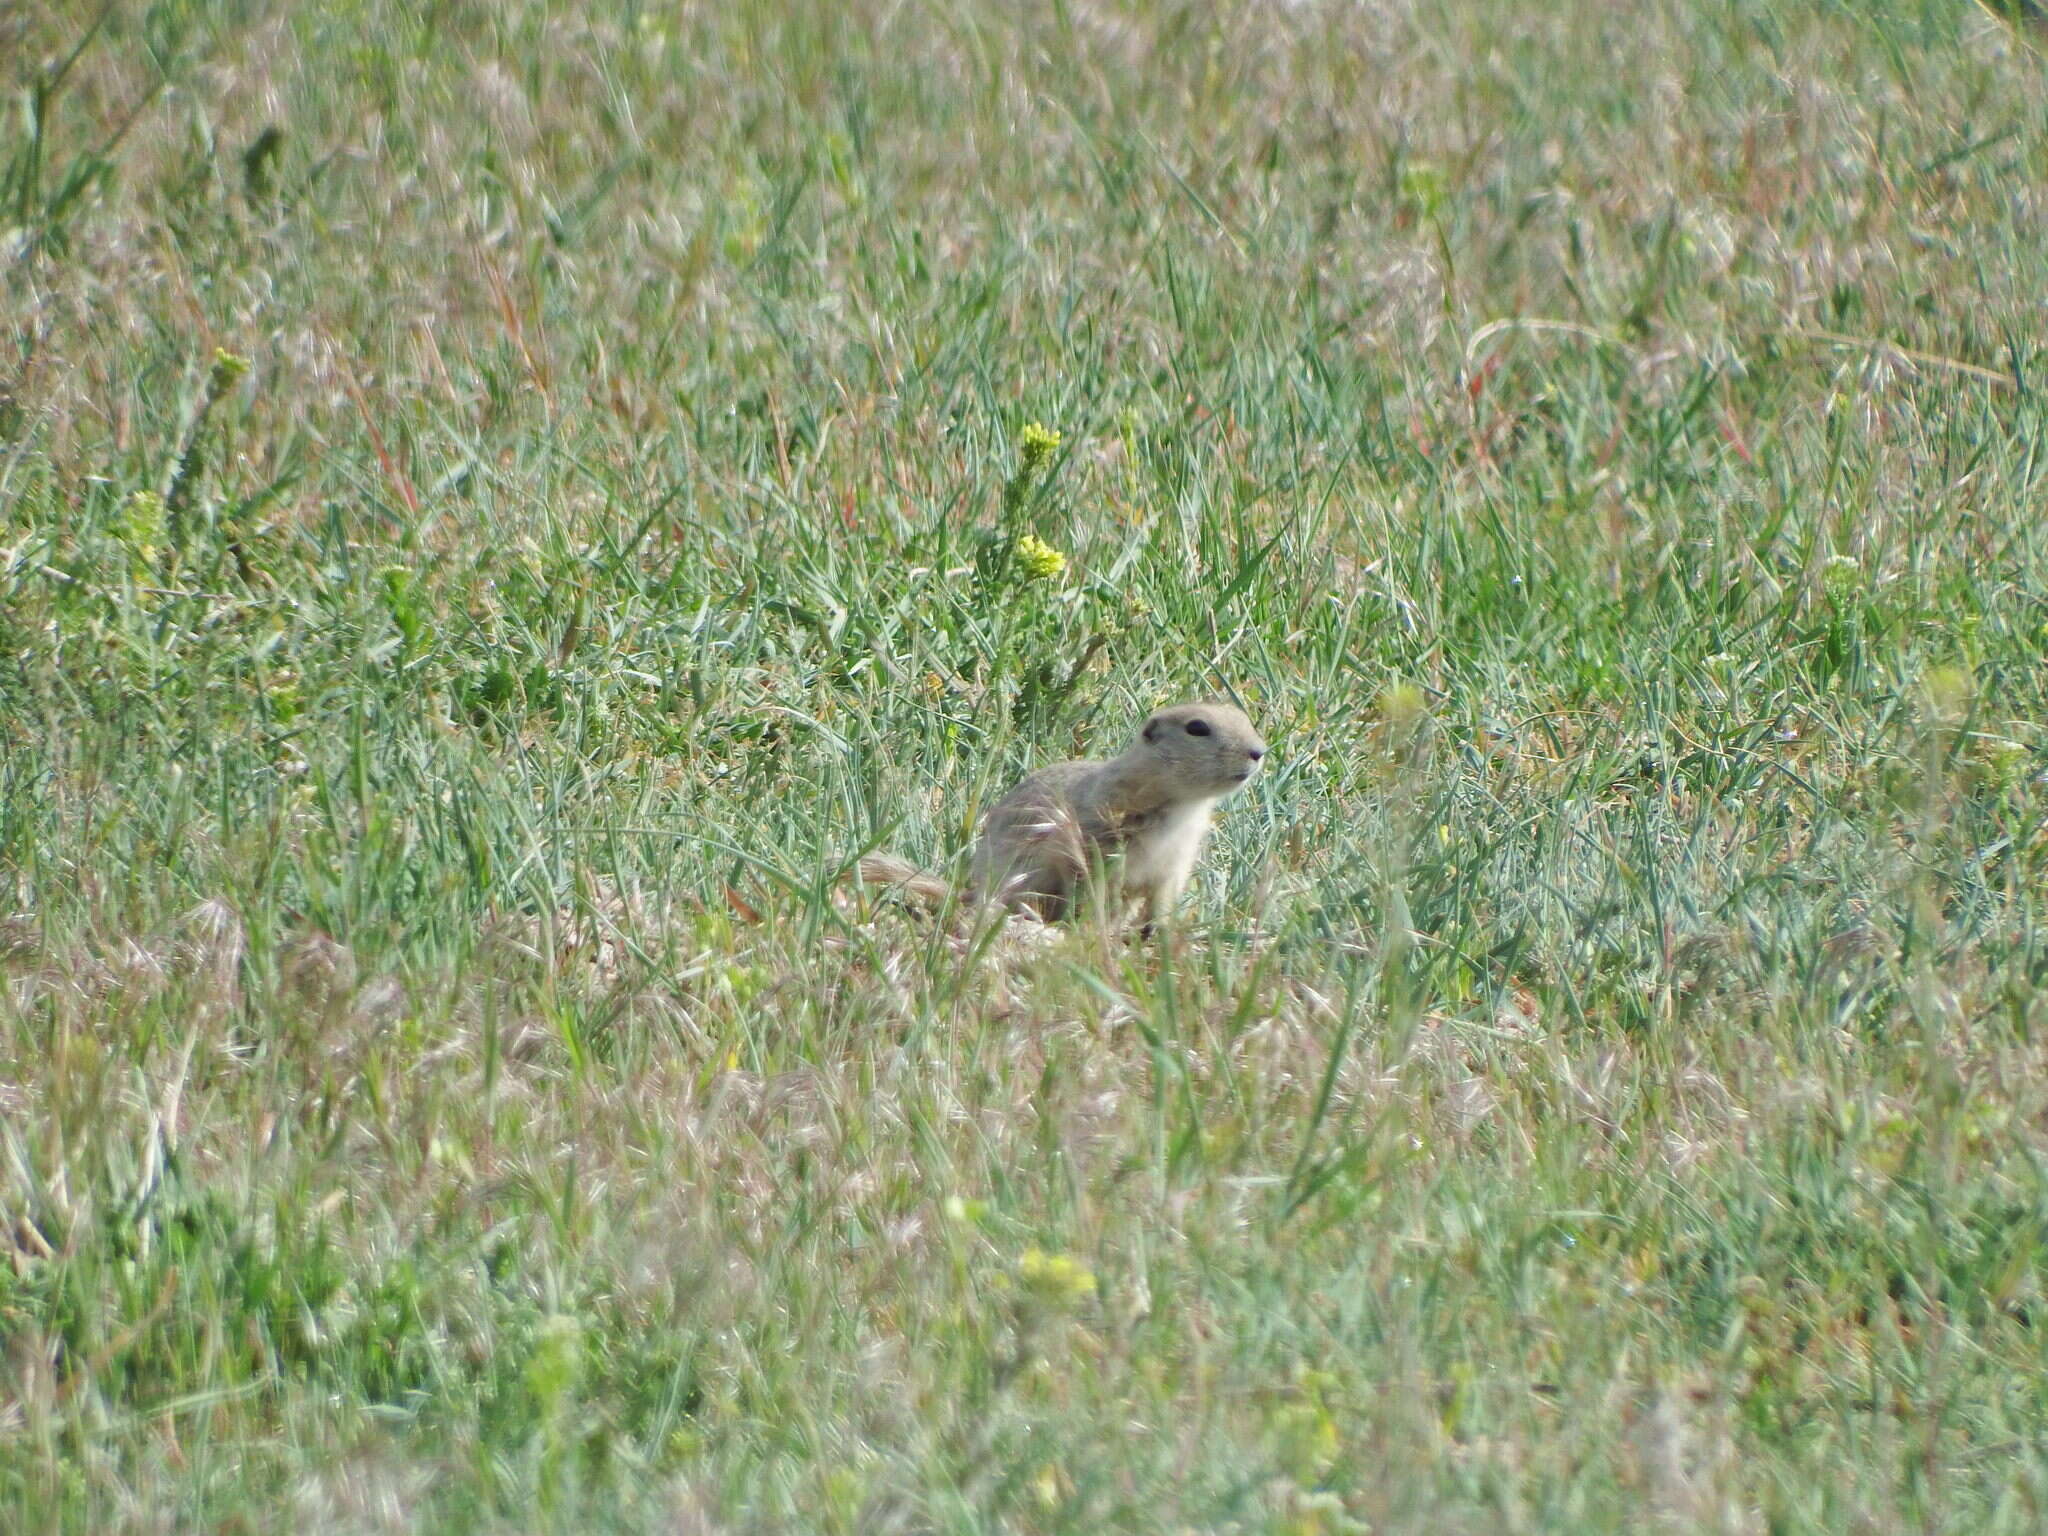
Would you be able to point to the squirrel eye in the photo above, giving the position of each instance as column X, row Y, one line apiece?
column 1199, row 728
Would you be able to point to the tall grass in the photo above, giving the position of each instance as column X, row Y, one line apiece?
column 500, row 506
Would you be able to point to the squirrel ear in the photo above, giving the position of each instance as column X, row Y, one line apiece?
column 1151, row 731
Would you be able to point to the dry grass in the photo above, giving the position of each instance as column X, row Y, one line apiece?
column 1599, row 1083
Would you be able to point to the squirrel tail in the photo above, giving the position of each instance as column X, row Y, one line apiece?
column 887, row 869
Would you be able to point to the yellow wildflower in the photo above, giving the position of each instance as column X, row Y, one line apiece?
column 1039, row 559
column 1037, row 443
column 1055, row 1278
column 227, row 371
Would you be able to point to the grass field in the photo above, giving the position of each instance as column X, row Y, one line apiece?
column 501, row 505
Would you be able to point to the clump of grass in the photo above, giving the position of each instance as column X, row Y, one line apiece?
column 494, row 518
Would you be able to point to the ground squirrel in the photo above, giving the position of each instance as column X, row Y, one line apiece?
column 1041, row 843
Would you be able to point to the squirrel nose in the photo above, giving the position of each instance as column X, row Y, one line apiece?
column 1255, row 753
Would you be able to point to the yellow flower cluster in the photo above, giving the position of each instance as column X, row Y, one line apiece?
column 1054, row 1278
column 1037, row 443
column 1038, row 558
column 227, row 371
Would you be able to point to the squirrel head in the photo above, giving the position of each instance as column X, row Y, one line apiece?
column 1207, row 748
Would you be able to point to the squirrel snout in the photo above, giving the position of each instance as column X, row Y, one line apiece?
column 1255, row 753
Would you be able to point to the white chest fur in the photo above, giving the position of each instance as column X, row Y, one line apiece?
column 1159, row 858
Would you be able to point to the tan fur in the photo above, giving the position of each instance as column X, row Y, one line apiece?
column 1049, row 841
